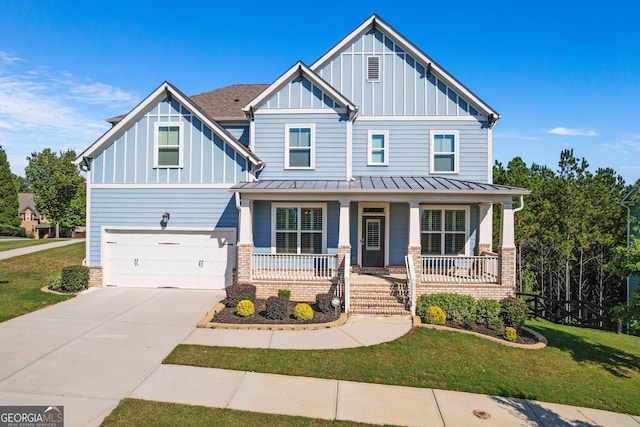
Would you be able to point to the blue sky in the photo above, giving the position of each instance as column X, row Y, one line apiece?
column 563, row 74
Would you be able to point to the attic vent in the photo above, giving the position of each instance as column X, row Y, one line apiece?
column 373, row 68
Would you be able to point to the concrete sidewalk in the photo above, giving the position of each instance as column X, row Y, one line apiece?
column 360, row 402
column 37, row 248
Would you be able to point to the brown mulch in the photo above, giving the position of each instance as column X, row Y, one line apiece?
column 228, row 315
column 524, row 337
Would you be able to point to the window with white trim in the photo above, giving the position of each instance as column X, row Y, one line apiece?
column 168, row 145
column 299, row 229
column 373, row 68
column 299, row 146
column 444, row 151
column 444, row 231
column 378, row 148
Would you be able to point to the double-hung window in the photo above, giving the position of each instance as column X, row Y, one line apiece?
column 444, row 231
column 299, row 146
column 168, row 145
column 444, row 151
column 378, row 148
column 299, row 229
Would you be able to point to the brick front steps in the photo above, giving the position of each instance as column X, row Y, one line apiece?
column 379, row 299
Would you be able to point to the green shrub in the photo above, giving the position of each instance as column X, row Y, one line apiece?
column 487, row 311
column 303, row 311
column 245, row 308
column 55, row 283
column 74, row 278
column 284, row 293
column 510, row 334
column 237, row 293
column 323, row 301
column 496, row 324
column 276, row 308
column 513, row 312
column 435, row 316
column 9, row 230
column 458, row 308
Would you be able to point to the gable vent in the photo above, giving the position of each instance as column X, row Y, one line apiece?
column 373, row 68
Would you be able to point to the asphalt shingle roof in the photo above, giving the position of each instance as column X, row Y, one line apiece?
column 227, row 102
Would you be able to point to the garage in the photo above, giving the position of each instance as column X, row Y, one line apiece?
column 169, row 258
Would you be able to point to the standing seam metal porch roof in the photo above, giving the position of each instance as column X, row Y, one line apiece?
column 398, row 184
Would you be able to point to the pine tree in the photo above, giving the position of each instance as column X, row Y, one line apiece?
column 8, row 193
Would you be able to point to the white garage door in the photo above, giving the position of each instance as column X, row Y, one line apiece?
column 180, row 259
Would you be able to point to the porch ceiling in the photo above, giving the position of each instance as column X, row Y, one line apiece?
column 419, row 185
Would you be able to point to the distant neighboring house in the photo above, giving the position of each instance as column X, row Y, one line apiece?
column 373, row 160
column 633, row 219
column 32, row 221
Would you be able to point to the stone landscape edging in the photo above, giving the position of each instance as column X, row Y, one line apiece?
column 542, row 340
column 207, row 323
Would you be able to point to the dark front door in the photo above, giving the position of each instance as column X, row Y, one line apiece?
column 373, row 241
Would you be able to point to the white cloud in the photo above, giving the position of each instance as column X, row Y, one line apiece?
column 572, row 132
column 43, row 108
column 515, row 136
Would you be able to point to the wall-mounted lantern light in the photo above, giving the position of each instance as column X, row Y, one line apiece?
column 165, row 217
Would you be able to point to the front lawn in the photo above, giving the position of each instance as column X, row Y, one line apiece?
column 17, row 244
column 133, row 412
column 579, row 367
column 22, row 277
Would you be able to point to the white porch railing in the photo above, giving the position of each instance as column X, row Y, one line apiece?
column 294, row 267
column 411, row 282
column 460, row 269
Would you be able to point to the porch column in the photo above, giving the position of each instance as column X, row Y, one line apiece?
column 245, row 241
column 486, row 228
column 414, row 247
column 507, row 250
column 344, row 250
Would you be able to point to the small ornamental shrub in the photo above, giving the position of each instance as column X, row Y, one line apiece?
column 55, row 283
column 513, row 312
column 245, row 308
column 284, row 293
column 487, row 311
column 458, row 308
column 303, row 311
column 9, row 230
column 496, row 325
column 74, row 278
column 237, row 293
column 435, row 316
column 276, row 308
column 323, row 301
column 510, row 334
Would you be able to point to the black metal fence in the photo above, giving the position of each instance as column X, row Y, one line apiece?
column 570, row 312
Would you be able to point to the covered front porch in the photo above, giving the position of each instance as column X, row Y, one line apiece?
column 426, row 235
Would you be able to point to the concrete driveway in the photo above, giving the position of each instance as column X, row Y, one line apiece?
column 89, row 352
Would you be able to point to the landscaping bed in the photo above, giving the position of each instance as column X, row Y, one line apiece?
column 523, row 337
column 228, row 315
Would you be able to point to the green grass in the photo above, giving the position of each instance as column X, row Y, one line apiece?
column 579, row 367
column 22, row 277
column 133, row 412
column 17, row 244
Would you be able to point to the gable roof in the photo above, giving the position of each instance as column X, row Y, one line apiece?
column 156, row 96
column 375, row 22
column 25, row 201
column 300, row 69
column 225, row 103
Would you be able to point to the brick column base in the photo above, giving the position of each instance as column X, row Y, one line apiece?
column 95, row 276
column 344, row 253
column 507, row 266
column 245, row 250
column 416, row 253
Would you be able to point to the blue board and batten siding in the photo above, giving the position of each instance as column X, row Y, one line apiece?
column 404, row 87
column 298, row 94
column 207, row 158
